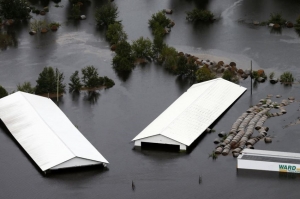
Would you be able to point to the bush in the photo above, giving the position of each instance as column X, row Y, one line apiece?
column 287, row 78
column 14, row 9
column 230, row 76
column 75, row 84
column 75, row 11
column 26, row 87
column 276, row 18
column 124, row 60
column 3, row 92
column 169, row 57
column 271, row 76
column 108, row 83
column 91, row 77
column 186, row 67
column 47, row 81
column 158, row 22
column 115, row 33
column 106, row 14
column 160, row 19
column 199, row 15
column 142, row 48
column 204, row 74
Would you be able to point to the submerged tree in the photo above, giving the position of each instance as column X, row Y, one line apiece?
column 115, row 33
column 14, row 9
column 124, row 60
column 47, row 81
column 142, row 48
column 287, row 78
column 3, row 92
column 26, row 87
column 230, row 76
column 158, row 20
column 199, row 15
column 75, row 84
column 106, row 14
column 204, row 74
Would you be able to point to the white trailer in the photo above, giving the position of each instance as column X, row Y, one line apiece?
column 269, row 161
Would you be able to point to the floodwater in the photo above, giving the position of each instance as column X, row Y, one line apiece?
column 113, row 118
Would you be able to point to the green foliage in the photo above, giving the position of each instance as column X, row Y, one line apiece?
column 91, row 77
column 159, row 19
column 106, row 14
column 287, row 78
column 75, row 11
column 14, row 9
column 271, row 76
column 7, row 40
column 199, row 15
column 204, row 74
column 115, row 33
column 230, row 76
column 276, row 18
column 142, row 48
column 297, row 25
column 26, row 87
column 75, row 84
column 77, row 1
column 213, row 155
column 54, row 24
column 186, row 67
column 169, row 55
column 47, row 81
column 3, row 92
column 124, row 60
column 108, row 83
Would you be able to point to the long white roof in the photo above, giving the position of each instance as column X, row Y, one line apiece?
column 45, row 132
column 280, row 154
column 194, row 111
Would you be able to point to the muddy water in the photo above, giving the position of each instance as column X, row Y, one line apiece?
column 110, row 120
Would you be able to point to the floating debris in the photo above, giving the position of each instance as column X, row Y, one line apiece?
column 241, row 133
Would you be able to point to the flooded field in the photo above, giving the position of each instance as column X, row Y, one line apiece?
column 113, row 118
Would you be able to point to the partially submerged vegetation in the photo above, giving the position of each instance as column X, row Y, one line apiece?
column 197, row 15
column 3, row 92
column 287, row 78
column 91, row 81
column 106, row 14
column 49, row 80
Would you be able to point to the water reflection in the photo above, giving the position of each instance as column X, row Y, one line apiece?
column 8, row 39
column 276, row 31
column 92, row 96
column 123, row 75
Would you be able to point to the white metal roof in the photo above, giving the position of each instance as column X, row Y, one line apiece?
column 271, row 153
column 194, row 111
column 45, row 132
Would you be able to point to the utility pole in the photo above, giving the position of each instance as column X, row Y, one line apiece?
column 251, row 76
column 57, row 83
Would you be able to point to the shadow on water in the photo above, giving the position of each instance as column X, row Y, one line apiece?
column 277, row 31
column 92, row 96
column 123, row 76
column 75, row 96
column 39, row 2
column 183, row 83
column 8, row 39
column 158, row 154
column 66, row 174
column 256, row 174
